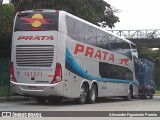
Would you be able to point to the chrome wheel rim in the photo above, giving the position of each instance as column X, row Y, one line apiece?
column 83, row 94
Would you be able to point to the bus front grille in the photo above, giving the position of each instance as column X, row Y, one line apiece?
column 34, row 55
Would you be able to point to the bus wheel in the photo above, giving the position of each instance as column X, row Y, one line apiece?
column 83, row 95
column 144, row 96
column 151, row 96
column 40, row 99
column 128, row 97
column 92, row 96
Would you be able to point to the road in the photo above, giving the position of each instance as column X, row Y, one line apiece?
column 101, row 105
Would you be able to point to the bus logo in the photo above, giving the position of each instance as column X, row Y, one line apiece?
column 35, row 38
column 36, row 21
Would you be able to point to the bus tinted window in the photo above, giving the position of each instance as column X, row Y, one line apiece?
column 34, row 21
column 102, row 40
column 75, row 29
column 83, row 32
column 90, row 35
column 121, row 47
column 112, row 43
column 115, row 72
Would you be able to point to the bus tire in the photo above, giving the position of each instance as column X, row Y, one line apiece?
column 92, row 95
column 151, row 96
column 83, row 94
column 128, row 97
column 144, row 96
column 40, row 99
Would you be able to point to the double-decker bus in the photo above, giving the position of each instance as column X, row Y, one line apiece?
column 57, row 55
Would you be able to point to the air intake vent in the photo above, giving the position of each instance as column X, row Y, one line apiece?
column 35, row 55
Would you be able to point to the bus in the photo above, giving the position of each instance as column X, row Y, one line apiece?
column 56, row 55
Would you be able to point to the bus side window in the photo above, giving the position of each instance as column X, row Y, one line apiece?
column 115, row 72
column 102, row 40
column 90, row 35
column 75, row 29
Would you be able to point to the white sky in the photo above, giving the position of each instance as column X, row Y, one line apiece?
column 137, row 14
column 5, row 1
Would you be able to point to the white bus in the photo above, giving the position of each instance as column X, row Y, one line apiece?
column 57, row 55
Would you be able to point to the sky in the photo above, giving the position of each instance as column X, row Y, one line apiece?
column 136, row 14
column 5, row 1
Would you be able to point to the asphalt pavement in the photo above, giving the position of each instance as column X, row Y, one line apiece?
column 19, row 98
column 14, row 98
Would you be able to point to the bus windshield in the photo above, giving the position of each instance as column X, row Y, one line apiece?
column 36, row 21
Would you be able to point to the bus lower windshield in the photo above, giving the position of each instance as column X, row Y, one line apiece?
column 36, row 21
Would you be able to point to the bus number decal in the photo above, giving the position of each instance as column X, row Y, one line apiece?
column 33, row 74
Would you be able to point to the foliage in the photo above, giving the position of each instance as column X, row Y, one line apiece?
column 157, row 92
column 109, row 19
column 90, row 10
column 6, row 22
column 6, row 13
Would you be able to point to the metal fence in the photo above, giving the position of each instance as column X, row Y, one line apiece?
column 4, row 77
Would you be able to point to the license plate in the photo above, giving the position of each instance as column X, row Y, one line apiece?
column 32, row 87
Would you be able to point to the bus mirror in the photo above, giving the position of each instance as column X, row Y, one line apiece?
column 134, row 50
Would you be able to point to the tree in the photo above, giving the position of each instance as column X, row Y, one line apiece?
column 6, row 14
column 109, row 19
column 93, row 11
column 6, row 22
column 1, row 2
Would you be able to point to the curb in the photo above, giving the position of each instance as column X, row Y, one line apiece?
column 15, row 99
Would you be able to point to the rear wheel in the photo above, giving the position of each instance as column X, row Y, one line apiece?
column 144, row 96
column 40, row 99
column 92, row 96
column 83, row 95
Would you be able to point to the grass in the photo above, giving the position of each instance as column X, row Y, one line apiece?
column 3, row 90
column 158, row 92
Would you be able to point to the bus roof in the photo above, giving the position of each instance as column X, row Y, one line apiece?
column 75, row 17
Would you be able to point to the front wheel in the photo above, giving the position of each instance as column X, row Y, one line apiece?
column 92, row 96
column 128, row 97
